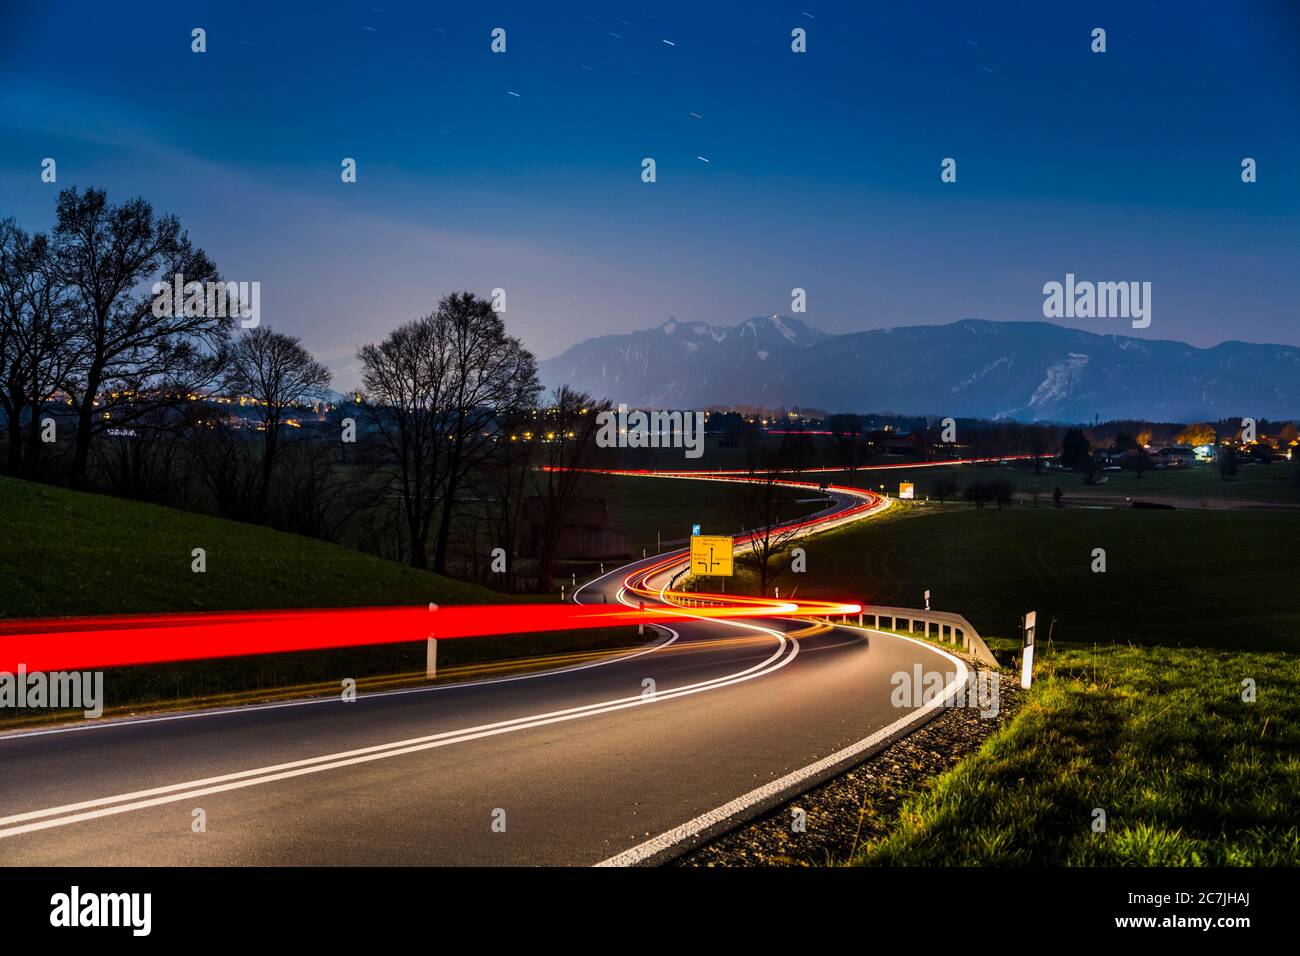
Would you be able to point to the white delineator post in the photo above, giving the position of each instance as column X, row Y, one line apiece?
column 1027, row 658
column 431, row 652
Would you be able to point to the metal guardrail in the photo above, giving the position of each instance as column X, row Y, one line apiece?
column 948, row 627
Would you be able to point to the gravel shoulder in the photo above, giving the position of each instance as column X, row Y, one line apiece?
column 863, row 803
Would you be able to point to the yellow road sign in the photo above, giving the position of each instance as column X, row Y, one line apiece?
column 906, row 489
column 711, row 554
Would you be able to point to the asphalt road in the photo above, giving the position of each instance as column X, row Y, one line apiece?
column 575, row 767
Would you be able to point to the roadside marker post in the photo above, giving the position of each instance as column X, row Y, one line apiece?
column 640, row 628
column 927, row 599
column 1027, row 658
column 431, row 652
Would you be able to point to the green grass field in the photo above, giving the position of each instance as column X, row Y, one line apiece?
column 66, row 553
column 1160, row 739
column 1190, row 578
column 1137, row 704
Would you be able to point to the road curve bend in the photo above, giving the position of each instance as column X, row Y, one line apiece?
column 627, row 760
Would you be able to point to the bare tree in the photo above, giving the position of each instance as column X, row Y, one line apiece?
column 569, row 447
column 130, row 356
column 762, row 504
column 35, row 353
column 317, row 498
column 278, row 374
column 223, row 456
column 506, row 481
column 848, row 441
column 147, row 461
column 406, row 378
column 491, row 377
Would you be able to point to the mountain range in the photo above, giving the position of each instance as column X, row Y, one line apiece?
column 1028, row 371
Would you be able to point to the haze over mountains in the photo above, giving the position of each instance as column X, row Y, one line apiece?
column 1030, row 371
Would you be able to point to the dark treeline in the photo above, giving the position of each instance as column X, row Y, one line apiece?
column 449, row 458
column 439, row 460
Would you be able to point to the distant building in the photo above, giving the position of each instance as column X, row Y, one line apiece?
column 889, row 442
column 1176, row 457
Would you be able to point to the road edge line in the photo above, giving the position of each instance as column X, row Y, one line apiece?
column 693, row 833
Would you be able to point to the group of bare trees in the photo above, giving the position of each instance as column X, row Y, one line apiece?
column 454, row 399
column 100, row 387
column 440, row 387
column 76, row 324
column 80, row 335
column 763, row 505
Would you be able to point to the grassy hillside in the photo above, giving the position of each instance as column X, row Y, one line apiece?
column 65, row 553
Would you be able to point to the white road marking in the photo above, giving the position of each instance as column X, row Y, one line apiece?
column 123, row 803
column 334, row 699
column 68, row 814
column 656, row 846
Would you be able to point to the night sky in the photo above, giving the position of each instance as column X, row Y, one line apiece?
column 822, row 172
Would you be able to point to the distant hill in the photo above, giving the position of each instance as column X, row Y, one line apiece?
column 1030, row 371
column 678, row 362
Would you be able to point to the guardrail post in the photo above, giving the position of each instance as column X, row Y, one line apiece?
column 431, row 659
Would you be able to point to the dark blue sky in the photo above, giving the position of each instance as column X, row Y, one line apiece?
column 823, row 167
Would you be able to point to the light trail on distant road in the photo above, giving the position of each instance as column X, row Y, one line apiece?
column 122, row 640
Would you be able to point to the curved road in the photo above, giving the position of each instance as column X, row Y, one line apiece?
column 586, row 765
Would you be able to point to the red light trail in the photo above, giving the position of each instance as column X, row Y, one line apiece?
column 124, row 640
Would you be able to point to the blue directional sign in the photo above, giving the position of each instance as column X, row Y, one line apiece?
column 695, row 529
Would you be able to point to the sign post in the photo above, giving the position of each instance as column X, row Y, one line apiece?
column 1027, row 658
